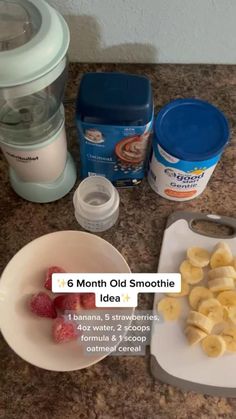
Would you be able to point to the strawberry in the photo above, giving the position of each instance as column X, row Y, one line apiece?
column 88, row 300
column 52, row 270
column 63, row 330
column 68, row 302
column 42, row 305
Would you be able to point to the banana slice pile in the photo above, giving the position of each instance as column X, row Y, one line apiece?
column 212, row 317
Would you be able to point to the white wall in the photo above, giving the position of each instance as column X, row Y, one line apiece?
column 165, row 31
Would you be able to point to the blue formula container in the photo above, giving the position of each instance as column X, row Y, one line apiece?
column 189, row 138
column 114, row 117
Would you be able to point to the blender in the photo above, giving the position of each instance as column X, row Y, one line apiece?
column 34, row 40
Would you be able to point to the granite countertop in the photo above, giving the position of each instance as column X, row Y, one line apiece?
column 117, row 387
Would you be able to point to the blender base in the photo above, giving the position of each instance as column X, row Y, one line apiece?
column 46, row 192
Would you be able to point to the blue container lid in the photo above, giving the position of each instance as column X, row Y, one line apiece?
column 115, row 98
column 191, row 129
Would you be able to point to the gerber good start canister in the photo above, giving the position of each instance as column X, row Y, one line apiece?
column 189, row 137
column 114, row 116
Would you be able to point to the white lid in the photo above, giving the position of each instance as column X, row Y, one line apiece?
column 96, row 202
column 34, row 38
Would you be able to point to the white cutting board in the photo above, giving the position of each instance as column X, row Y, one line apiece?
column 173, row 360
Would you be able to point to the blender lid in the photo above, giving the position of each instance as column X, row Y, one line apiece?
column 34, row 38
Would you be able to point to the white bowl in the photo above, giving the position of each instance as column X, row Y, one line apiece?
column 30, row 336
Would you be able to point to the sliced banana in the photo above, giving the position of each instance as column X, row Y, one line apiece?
column 184, row 290
column 222, row 271
column 222, row 255
column 225, row 314
column 229, row 336
column 198, row 256
column 191, row 274
column 222, row 245
column 218, row 328
column 212, row 309
column 232, row 314
column 200, row 320
column 194, row 335
column 221, row 284
column 170, row 308
column 227, row 298
column 197, row 295
column 213, row 345
column 212, row 320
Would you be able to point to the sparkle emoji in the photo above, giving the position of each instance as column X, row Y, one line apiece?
column 61, row 283
column 126, row 298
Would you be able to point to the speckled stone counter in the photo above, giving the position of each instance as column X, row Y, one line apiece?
column 117, row 387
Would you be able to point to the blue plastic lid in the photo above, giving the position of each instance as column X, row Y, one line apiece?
column 115, row 98
column 191, row 129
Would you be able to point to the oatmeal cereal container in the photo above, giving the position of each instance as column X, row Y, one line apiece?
column 114, row 118
column 189, row 138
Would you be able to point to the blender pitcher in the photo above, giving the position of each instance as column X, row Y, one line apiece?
column 34, row 40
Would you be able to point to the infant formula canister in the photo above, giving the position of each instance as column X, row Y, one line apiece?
column 114, row 117
column 189, row 138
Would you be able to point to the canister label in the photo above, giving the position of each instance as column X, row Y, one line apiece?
column 117, row 152
column 176, row 179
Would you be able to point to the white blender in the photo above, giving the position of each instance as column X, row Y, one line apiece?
column 34, row 40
